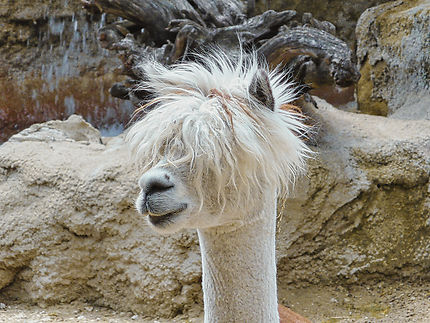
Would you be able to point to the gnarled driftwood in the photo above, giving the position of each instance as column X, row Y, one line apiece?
column 168, row 30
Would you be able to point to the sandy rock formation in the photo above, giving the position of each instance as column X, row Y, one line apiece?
column 393, row 46
column 68, row 228
column 75, row 129
column 363, row 211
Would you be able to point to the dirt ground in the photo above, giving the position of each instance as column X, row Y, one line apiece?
column 379, row 302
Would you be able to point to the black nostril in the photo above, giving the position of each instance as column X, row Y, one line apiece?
column 157, row 186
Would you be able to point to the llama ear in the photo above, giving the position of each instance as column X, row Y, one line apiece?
column 261, row 90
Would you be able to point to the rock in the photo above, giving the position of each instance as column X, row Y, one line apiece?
column 363, row 209
column 69, row 230
column 6, row 276
column 414, row 111
column 393, row 46
column 75, row 128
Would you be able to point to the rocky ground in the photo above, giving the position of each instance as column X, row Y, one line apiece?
column 380, row 302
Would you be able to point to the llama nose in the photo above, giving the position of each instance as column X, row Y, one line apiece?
column 157, row 186
column 156, row 183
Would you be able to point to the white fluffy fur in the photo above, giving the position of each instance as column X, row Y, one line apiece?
column 191, row 127
column 223, row 156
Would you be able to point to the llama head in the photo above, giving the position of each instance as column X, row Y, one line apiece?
column 215, row 142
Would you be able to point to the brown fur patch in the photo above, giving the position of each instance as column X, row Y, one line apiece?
column 215, row 93
column 291, row 108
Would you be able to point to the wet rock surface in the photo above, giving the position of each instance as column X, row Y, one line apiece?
column 52, row 66
column 69, row 231
column 393, row 53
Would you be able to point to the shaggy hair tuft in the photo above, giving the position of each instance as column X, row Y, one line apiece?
column 204, row 118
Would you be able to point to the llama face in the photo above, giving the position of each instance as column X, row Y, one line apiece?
column 214, row 142
column 171, row 202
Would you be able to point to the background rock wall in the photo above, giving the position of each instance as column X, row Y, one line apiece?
column 363, row 211
column 51, row 64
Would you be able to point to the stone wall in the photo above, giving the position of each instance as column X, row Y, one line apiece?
column 69, row 230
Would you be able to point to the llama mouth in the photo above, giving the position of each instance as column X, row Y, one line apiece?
column 158, row 220
column 162, row 220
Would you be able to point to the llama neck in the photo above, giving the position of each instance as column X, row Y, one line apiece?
column 239, row 271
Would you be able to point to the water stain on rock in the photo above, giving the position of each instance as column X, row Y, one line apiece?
column 52, row 66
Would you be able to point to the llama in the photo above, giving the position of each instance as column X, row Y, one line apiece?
column 217, row 149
